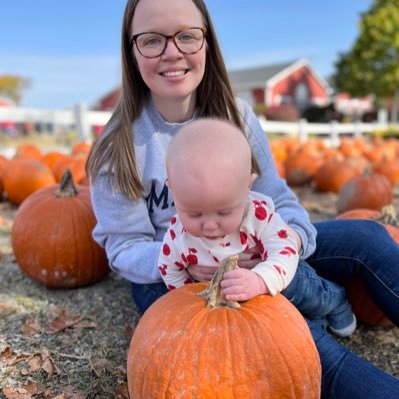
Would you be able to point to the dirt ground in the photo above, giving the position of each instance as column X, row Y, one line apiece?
column 72, row 344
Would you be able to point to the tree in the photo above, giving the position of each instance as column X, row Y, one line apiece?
column 372, row 65
column 11, row 87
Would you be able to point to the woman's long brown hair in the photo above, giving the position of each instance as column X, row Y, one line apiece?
column 113, row 151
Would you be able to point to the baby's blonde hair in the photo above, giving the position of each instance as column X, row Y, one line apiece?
column 209, row 143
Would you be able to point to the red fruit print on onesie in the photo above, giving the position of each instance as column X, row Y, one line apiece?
column 282, row 233
column 172, row 234
column 191, row 258
column 162, row 268
column 166, row 250
column 287, row 251
column 179, row 265
column 280, row 270
column 188, row 281
column 260, row 210
column 171, row 287
column 259, row 244
column 243, row 237
column 173, row 220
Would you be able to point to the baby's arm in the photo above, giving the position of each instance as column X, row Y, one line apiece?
column 171, row 266
column 279, row 253
column 278, row 246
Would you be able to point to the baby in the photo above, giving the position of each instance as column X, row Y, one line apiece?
column 209, row 173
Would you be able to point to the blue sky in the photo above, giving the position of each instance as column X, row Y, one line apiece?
column 70, row 49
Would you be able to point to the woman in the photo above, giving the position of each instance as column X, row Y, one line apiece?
column 173, row 72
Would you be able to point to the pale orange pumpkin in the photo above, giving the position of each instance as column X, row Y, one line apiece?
column 184, row 348
column 52, row 237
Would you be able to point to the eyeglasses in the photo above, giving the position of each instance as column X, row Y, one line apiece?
column 152, row 44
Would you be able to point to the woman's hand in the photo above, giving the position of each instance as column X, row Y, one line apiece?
column 201, row 273
column 249, row 259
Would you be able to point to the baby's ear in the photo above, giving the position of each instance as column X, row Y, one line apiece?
column 252, row 179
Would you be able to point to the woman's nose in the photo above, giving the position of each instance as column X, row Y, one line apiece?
column 171, row 49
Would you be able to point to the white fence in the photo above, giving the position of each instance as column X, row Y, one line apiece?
column 330, row 131
column 80, row 118
column 83, row 119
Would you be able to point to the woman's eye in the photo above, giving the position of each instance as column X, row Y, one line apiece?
column 186, row 37
column 151, row 41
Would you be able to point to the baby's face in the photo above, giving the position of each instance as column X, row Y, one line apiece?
column 209, row 212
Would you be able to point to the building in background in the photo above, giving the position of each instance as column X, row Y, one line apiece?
column 295, row 85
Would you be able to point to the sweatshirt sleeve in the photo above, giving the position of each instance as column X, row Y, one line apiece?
column 270, row 184
column 278, row 248
column 125, row 230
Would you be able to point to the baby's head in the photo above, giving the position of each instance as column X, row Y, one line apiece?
column 209, row 172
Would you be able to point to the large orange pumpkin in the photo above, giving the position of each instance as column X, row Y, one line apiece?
column 51, row 237
column 364, row 307
column 183, row 348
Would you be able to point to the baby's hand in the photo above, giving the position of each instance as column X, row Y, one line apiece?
column 242, row 284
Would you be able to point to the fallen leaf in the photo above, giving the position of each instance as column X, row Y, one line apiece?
column 26, row 392
column 99, row 365
column 5, row 309
column 31, row 327
column 61, row 320
column 122, row 392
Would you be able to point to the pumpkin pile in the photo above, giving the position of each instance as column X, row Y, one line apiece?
column 30, row 169
column 198, row 346
column 362, row 172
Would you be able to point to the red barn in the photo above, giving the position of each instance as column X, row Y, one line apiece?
column 109, row 101
column 295, row 83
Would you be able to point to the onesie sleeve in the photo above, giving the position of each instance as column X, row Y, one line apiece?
column 277, row 246
column 172, row 263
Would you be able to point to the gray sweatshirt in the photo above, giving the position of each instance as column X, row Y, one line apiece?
column 132, row 231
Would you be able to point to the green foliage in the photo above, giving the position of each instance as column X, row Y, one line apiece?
column 11, row 87
column 372, row 65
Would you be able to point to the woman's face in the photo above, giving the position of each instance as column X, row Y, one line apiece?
column 173, row 75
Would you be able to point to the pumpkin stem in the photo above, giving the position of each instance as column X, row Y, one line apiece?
column 388, row 216
column 213, row 293
column 67, row 187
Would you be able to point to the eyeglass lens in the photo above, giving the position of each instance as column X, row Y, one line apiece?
column 188, row 41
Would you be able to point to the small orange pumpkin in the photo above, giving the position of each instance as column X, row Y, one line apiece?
column 182, row 347
column 364, row 307
column 23, row 176
column 370, row 191
column 52, row 237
